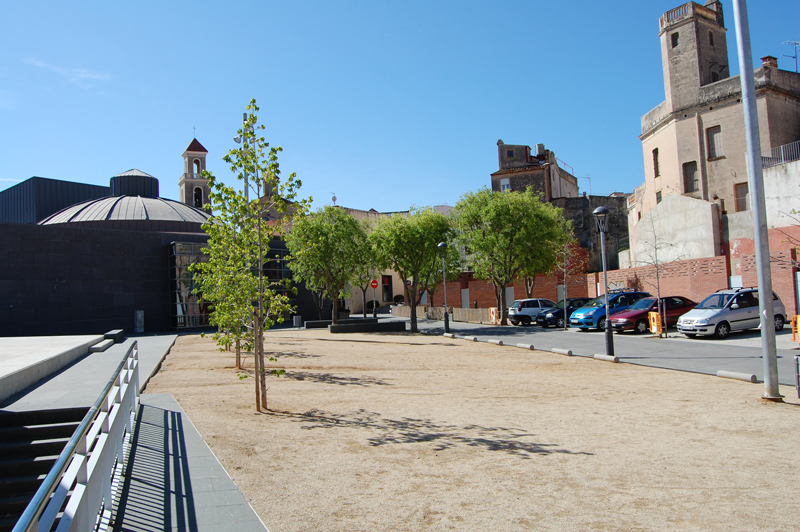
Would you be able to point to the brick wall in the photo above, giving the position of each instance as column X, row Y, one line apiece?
column 781, row 265
column 483, row 291
column 694, row 279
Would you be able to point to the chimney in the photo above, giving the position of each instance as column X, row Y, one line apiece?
column 769, row 61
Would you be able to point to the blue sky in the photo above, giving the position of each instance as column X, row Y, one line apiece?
column 387, row 104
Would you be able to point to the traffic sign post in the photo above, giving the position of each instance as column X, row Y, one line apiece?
column 374, row 285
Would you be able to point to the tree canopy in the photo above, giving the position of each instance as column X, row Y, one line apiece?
column 507, row 234
column 326, row 248
column 408, row 245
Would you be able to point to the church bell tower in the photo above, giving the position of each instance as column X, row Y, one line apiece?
column 194, row 187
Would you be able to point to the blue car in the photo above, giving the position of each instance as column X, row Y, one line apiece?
column 593, row 314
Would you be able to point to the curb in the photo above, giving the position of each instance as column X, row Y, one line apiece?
column 606, row 358
column 526, row 346
column 496, row 342
column 737, row 376
column 567, row 352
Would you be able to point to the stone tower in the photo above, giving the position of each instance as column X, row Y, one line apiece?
column 694, row 51
column 194, row 187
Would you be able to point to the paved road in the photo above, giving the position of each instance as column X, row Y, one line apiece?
column 741, row 352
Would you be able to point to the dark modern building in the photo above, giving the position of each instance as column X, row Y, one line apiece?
column 83, row 259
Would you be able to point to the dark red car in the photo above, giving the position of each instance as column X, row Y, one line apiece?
column 635, row 318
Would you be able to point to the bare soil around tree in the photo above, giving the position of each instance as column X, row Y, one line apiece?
column 410, row 432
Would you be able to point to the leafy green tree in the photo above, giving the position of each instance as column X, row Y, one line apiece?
column 365, row 266
column 325, row 249
column 505, row 233
column 243, row 302
column 408, row 245
column 551, row 258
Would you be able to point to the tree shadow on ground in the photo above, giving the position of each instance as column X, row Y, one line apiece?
column 344, row 338
column 278, row 354
column 512, row 441
column 330, row 378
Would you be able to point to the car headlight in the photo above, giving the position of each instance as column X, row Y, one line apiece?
column 702, row 321
column 549, row 315
column 620, row 320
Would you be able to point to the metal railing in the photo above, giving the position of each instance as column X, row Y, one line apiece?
column 781, row 155
column 84, row 468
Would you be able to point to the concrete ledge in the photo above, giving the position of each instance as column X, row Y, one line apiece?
column 449, row 335
column 526, row 346
column 470, row 338
column 118, row 335
column 567, row 352
column 496, row 342
column 322, row 324
column 387, row 326
column 99, row 347
column 606, row 358
column 737, row 376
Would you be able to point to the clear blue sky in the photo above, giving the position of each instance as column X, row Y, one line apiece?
column 387, row 104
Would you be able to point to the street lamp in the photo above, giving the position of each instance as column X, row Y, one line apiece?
column 601, row 215
column 443, row 248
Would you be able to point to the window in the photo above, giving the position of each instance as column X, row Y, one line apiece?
column 658, row 197
column 711, row 38
column 197, row 167
column 655, row 163
column 714, row 138
column 675, row 39
column 505, row 185
column 741, row 197
column 510, row 153
column 386, row 287
column 198, row 197
column 690, row 177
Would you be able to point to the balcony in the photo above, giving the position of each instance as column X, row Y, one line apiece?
column 687, row 11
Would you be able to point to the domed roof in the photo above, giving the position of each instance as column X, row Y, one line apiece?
column 128, row 208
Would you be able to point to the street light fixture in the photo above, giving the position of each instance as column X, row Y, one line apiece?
column 443, row 248
column 601, row 215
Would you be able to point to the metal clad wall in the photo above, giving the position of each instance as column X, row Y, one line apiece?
column 38, row 197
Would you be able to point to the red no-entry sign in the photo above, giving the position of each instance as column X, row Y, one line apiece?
column 374, row 283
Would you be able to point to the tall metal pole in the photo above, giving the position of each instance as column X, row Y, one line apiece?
column 443, row 247
column 757, row 203
column 609, row 331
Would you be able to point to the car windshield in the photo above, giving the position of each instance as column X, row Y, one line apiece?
column 715, row 301
column 596, row 302
column 643, row 304
column 560, row 304
column 517, row 305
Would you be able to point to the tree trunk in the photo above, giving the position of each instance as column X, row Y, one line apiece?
column 364, row 302
column 412, row 303
column 529, row 284
column 238, row 354
column 335, row 312
column 501, row 303
column 256, row 368
column 263, row 374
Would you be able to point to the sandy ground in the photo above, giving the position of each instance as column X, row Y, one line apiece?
column 412, row 432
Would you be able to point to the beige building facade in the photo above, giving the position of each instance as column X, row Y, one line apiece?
column 693, row 142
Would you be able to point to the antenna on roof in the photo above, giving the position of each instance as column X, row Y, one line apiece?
column 795, row 44
column 194, row 132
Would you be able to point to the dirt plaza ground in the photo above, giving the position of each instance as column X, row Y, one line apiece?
column 414, row 432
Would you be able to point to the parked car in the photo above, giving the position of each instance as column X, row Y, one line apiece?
column 724, row 311
column 593, row 314
column 636, row 317
column 525, row 311
column 555, row 315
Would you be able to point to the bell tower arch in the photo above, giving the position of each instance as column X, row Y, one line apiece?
column 194, row 187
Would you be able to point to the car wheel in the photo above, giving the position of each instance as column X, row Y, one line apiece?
column 526, row 321
column 641, row 327
column 723, row 330
column 560, row 323
column 601, row 324
column 778, row 322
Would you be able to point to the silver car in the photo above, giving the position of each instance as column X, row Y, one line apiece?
column 525, row 311
column 728, row 310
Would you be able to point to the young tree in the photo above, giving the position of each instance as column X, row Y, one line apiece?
column 505, row 233
column 569, row 260
column 243, row 302
column 408, row 245
column 325, row 249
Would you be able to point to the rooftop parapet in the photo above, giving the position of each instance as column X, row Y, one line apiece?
column 689, row 10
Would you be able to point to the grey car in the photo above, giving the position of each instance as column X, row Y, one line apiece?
column 730, row 310
column 525, row 311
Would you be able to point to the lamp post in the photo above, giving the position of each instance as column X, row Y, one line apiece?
column 601, row 215
column 443, row 248
column 374, row 309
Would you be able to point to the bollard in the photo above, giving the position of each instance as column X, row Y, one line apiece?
column 747, row 377
column 567, row 352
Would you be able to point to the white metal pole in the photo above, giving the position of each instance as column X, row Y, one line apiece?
column 757, row 203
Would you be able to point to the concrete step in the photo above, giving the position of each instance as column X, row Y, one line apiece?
column 101, row 346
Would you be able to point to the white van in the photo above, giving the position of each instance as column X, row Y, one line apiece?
column 728, row 310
